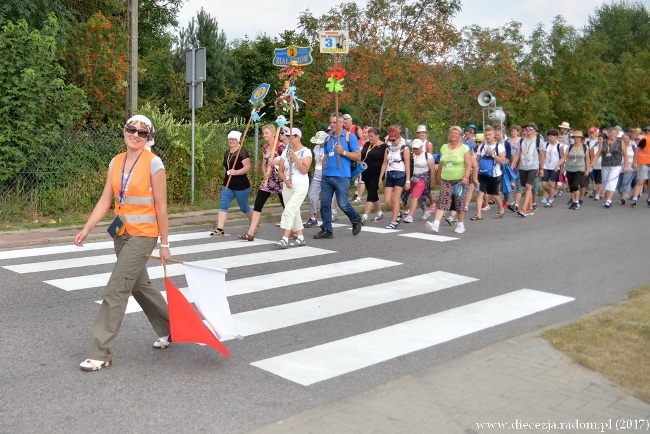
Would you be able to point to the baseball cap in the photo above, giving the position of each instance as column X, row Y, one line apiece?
column 296, row 132
column 421, row 129
column 416, row 143
column 593, row 130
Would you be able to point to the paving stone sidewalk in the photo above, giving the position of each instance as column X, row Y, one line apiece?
column 512, row 383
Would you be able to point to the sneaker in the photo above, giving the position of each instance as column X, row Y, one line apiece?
column 408, row 219
column 522, row 213
column 486, row 207
column 573, row 205
column 534, row 207
column 593, row 195
column 433, row 226
column 356, row 228
column 513, row 207
column 558, row 193
column 577, row 205
column 581, row 202
column 297, row 243
column 451, row 220
column 378, row 218
column 460, row 228
column 607, row 204
column 544, row 200
column 570, row 202
column 548, row 205
column 310, row 223
column 633, row 203
column 323, row 234
column 355, row 198
column 281, row 244
column 335, row 217
column 399, row 217
column 426, row 215
column 363, row 220
column 596, row 197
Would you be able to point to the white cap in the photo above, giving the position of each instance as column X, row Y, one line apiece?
column 296, row 132
column 416, row 143
column 234, row 135
column 421, row 129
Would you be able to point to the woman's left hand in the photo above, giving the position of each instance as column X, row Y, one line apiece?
column 407, row 186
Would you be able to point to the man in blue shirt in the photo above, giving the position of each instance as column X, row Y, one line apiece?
column 336, row 177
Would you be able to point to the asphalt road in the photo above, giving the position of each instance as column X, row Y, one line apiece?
column 593, row 255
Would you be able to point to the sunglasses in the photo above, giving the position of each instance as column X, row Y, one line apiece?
column 133, row 130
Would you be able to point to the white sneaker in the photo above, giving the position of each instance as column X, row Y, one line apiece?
column 433, row 226
column 460, row 228
column 486, row 207
column 335, row 217
column 426, row 215
column 407, row 219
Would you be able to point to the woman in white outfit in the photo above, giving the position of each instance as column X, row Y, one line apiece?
column 294, row 172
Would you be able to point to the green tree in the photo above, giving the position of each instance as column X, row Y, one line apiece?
column 391, row 48
column 155, row 50
column 35, row 102
column 254, row 59
column 223, row 81
column 624, row 27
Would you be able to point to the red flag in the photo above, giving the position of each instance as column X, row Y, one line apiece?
column 185, row 324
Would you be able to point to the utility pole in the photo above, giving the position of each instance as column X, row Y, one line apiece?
column 132, row 78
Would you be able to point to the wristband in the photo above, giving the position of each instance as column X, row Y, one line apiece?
column 344, row 153
column 164, row 245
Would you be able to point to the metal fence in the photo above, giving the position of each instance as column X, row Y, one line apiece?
column 69, row 177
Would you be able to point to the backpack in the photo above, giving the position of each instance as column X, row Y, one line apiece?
column 487, row 163
column 584, row 148
column 558, row 148
column 508, row 147
column 426, row 156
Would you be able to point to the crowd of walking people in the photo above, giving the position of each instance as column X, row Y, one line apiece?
column 517, row 170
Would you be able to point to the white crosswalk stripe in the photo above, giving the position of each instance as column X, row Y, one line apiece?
column 302, row 364
column 71, row 248
column 311, row 365
column 101, row 279
column 36, row 267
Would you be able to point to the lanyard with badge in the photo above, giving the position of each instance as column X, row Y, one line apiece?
column 116, row 227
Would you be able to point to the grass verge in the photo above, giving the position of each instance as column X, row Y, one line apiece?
column 614, row 342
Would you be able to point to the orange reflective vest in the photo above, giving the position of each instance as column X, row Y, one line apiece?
column 136, row 207
column 643, row 155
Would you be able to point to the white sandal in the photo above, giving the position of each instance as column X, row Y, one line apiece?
column 90, row 365
column 162, row 342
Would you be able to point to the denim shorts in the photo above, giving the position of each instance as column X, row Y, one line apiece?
column 228, row 194
column 395, row 182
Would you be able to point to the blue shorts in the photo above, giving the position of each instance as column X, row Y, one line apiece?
column 395, row 182
column 228, row 194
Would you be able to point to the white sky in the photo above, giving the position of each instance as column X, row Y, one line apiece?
column 251, row 17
